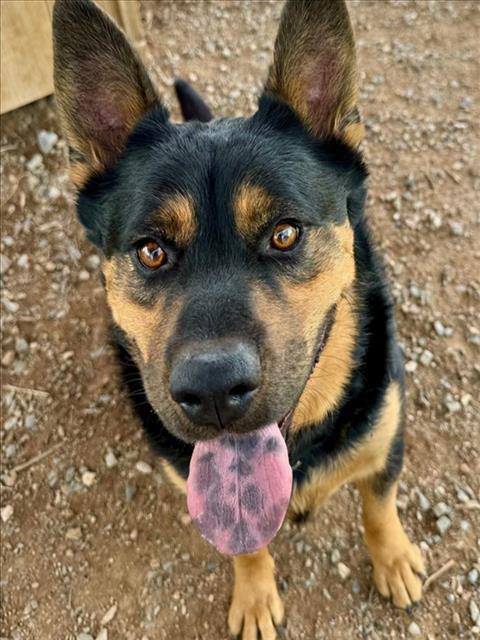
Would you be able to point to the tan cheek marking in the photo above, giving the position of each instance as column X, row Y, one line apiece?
column 329, row 378
column 252, row 207
column 365, row 460
column 137, row 321
column 177, row 219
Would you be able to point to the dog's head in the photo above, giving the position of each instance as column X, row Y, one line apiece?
column 228, row 244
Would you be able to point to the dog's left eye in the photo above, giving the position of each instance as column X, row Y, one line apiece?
column 285, row 236
column 151, row 254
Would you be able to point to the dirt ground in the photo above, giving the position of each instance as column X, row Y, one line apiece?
column 95, row 543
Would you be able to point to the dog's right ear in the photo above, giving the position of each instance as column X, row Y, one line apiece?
column 101, row 87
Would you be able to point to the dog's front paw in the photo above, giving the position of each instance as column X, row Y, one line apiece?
column 396, row 570
column 256, row 609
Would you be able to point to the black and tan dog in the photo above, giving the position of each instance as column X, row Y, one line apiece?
column 246, row 295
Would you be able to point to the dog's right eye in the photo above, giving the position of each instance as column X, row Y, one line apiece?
column 151, row 255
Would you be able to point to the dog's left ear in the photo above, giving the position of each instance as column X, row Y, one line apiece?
column 101, row 87
column 314, row 68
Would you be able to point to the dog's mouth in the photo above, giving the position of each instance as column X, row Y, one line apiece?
column 239, row 486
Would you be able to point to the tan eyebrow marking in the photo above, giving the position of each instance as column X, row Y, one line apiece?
column 252, row 207
column 176, row 216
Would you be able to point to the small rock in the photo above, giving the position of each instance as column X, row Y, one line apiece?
column 5, row 263
column 6, row 512
column 423, row 502
column 35, row 163
column 84, row 636
column 46, row 140
column 130, row 491
column 439, row 328
column 21, row 345
column 456, row 228
column 103, row 635
column 109, row 615
column 93, row 261
column 472, row 576
column 411, row 366
column 441, row 509
column 29, row 421
column 8, row 358
column 74, row 533
column 443, row 525
column 343, row 570
column 414, row 629
column 83, row 275
column 143, row 467
column 89, row 478
column 335, row 557
column 426, row 358
column 474, row 611
column 110, row 459
column 453, row 406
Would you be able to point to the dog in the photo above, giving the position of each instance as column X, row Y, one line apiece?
column 250, row 308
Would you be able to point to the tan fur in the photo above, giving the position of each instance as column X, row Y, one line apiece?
column 255, row 601
column 396, row 561
column 324, row 389
column 314, row 67
column 138, row 322
column 174, row 477
column 177, row 220
column 252, row 207
column 80, row 173
column 366, row 459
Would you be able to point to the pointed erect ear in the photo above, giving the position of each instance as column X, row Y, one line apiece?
column 102, row 89
column 314, row 68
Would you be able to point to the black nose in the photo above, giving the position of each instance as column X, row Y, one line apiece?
column 214, row 382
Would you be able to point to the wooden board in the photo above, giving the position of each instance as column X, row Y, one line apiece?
column 26, row 46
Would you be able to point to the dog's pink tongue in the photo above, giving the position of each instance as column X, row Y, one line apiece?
column 238, row 489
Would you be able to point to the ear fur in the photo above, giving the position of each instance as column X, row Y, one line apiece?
column 101, row 87
column 314, row 68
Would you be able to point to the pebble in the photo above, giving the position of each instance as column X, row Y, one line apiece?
column 130, row 491
column 439, row 328
column 109, row 615
column 441, row 509
column 46, row 140
column 335, row 557
column 414, row 630
column 93, row 261
column 103, row 635
column 89, row 478
column 456, row 228
column 443, row 524
column 472, row 576
column 343, row 570
column 84, row 636
column 474, row 611
column 5, row 263
column 8, row 358
column 74, row 533
column 83, row 275
column 110, row 459
column 411, row 366
column 6, row 513
column 423, row 502
column 35, row 163
column 143, row 467
column 21, row 345
column 426, row 358
column 453, row 406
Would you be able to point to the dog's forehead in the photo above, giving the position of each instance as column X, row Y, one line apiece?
column 230, row 175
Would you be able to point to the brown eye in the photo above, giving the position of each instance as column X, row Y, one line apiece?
column 151, row 255
column 285, row 236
